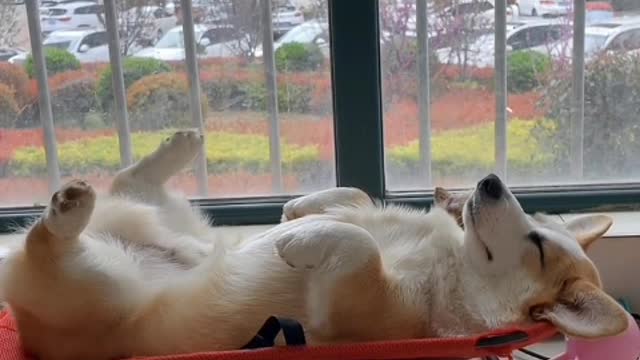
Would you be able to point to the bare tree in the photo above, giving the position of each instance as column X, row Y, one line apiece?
column 136, row 24
column 242, row 17
column 9, row 28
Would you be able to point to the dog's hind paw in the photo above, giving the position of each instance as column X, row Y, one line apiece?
column 181, row 147
column 70, row 209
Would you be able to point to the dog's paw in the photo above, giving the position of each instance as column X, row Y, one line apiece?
column 326, row 245
column 181, row 146
column 298, row 252
column 70, row 209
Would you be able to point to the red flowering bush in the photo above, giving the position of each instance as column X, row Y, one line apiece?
column 15, row 78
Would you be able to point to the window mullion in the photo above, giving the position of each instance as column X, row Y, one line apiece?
column 355, row 61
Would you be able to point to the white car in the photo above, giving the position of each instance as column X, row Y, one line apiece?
column 476, row 15
column 546, row 37
column 74, row 15
column 88, row 46
column 151, row 21
column 310, row 32
column 544, row 7
column 170, row 7
column 612, row 37
column 7, row 53
column 285, row 17
column 214, row 40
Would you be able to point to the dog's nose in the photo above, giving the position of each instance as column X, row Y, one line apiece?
column 491, row 186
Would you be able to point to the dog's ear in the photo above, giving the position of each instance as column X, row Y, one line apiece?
column 590, row 228
column 582, row 310
column 441, row 196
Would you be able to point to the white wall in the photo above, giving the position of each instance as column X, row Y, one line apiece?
column 618, row 260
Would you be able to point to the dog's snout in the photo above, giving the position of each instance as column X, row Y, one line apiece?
column 491, row 186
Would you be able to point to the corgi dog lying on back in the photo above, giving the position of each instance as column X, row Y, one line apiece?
column 137, row 271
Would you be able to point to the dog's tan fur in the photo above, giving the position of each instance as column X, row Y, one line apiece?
column 138, row 272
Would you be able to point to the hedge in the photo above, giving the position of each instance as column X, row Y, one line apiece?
column 57, row 61
column 472, row 149
column 225, row 152
column 133, row 69
column 611, row 126
column 9, row 108
column 160, row 101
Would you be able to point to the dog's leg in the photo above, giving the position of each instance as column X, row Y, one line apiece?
column 347, row 285
column 145, row 182
column 145, row 179
column 318, row 202
column 67, row 289
column 66, row 259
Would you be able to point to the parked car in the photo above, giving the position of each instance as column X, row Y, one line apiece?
column 7, row 53
column 285, row 17
column 310, row 32
column 615, row 36
column 151, row 21
column 87, row 46
column 472, row 15
column 542, row 36
column 598, row 11
column 170, row 7
column 73, row 15
column 544, row 8
column 212, row 40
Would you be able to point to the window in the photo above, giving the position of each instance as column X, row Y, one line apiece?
column 626, row 41
column 57, row 12
column 449, row 138
column 96, row 39
column 86, row 10
column 257, row 145
column 395, row 127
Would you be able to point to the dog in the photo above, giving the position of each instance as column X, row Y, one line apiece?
column 139, row 272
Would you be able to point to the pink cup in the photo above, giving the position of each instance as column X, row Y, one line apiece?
column 625, row 346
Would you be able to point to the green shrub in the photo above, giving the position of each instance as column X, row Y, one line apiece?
column 298, row 57
column 225, row 152
column 611, row 128
column 134, row 69
column 57, row 60
column 8, row 107
column 161, row 101
column 291, row 97
column 525, row 69
column 470, row 150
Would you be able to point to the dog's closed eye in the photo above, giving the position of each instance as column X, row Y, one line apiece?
column 537, row 240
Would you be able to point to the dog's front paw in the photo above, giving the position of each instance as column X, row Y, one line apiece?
column 326, row 245
column 70, row 209
column 298, row 252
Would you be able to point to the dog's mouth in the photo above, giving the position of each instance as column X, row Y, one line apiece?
column 472, row 208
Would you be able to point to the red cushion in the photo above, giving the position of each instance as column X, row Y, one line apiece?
column 385, row 350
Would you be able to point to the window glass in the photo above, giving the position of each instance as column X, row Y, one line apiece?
column 458, row 145
column 252, row 148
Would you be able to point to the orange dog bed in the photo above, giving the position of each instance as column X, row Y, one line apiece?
column 500, row 343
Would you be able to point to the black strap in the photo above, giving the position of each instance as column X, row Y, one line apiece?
column 266, row 337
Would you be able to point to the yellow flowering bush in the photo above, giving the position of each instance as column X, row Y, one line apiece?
column 225, row 151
